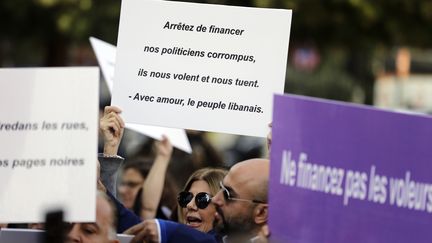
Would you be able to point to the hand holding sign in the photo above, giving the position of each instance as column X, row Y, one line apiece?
column 164, row 148
column 111, row 126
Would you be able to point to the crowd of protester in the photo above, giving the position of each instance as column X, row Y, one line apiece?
column 141, row 196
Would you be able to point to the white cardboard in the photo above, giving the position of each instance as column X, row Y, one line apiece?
column 106, row 54
column 41, row 96
column 21, row 235
column 262, row 33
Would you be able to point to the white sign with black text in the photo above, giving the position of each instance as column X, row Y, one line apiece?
column 106, row 54
column 48, row 141
column 200, row 66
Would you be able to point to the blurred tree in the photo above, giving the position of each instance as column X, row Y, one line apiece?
column 330, row 80
column 42, row 32
column 361, row 29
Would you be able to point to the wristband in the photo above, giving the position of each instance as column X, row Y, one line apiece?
column 110, row 156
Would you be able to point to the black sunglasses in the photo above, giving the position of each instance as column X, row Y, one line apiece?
column 202, row 199
column 228, row 196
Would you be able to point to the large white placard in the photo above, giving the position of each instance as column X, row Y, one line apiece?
column 200, row 66
column 48, row 141
column 106, row 54
column 38, row 236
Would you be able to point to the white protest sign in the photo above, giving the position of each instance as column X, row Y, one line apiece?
column 200, row 66
column 38, row 236
column 106, row 54
column 48, row 141
column 21, row 235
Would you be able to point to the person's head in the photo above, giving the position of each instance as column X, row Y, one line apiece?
column 195, row 207
column 132, row 179
column 269, row 137
column 242, row 200
column 103, row 230
column 36, row 226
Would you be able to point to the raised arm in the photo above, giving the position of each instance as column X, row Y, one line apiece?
column 154, row 183
column 111, row 127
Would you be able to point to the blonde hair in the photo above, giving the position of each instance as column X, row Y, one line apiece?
column 210, row 175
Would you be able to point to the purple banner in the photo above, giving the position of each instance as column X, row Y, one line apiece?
column 348, row 173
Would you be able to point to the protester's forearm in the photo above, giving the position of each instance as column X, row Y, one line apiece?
column 153, row 187
column 108, row 172
column 111, row 149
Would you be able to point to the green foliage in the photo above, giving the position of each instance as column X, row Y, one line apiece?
column 41, row 32
column 329, row 81
column 51, row 27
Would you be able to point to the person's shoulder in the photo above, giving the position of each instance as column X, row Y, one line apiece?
column 216, row 235
column 179, row 233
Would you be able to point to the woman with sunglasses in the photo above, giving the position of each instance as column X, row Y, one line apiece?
column 195, row 208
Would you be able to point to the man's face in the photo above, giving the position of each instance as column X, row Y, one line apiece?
column 97, row 232
column 237, row 215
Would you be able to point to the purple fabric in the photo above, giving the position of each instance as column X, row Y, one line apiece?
column 350, row 138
